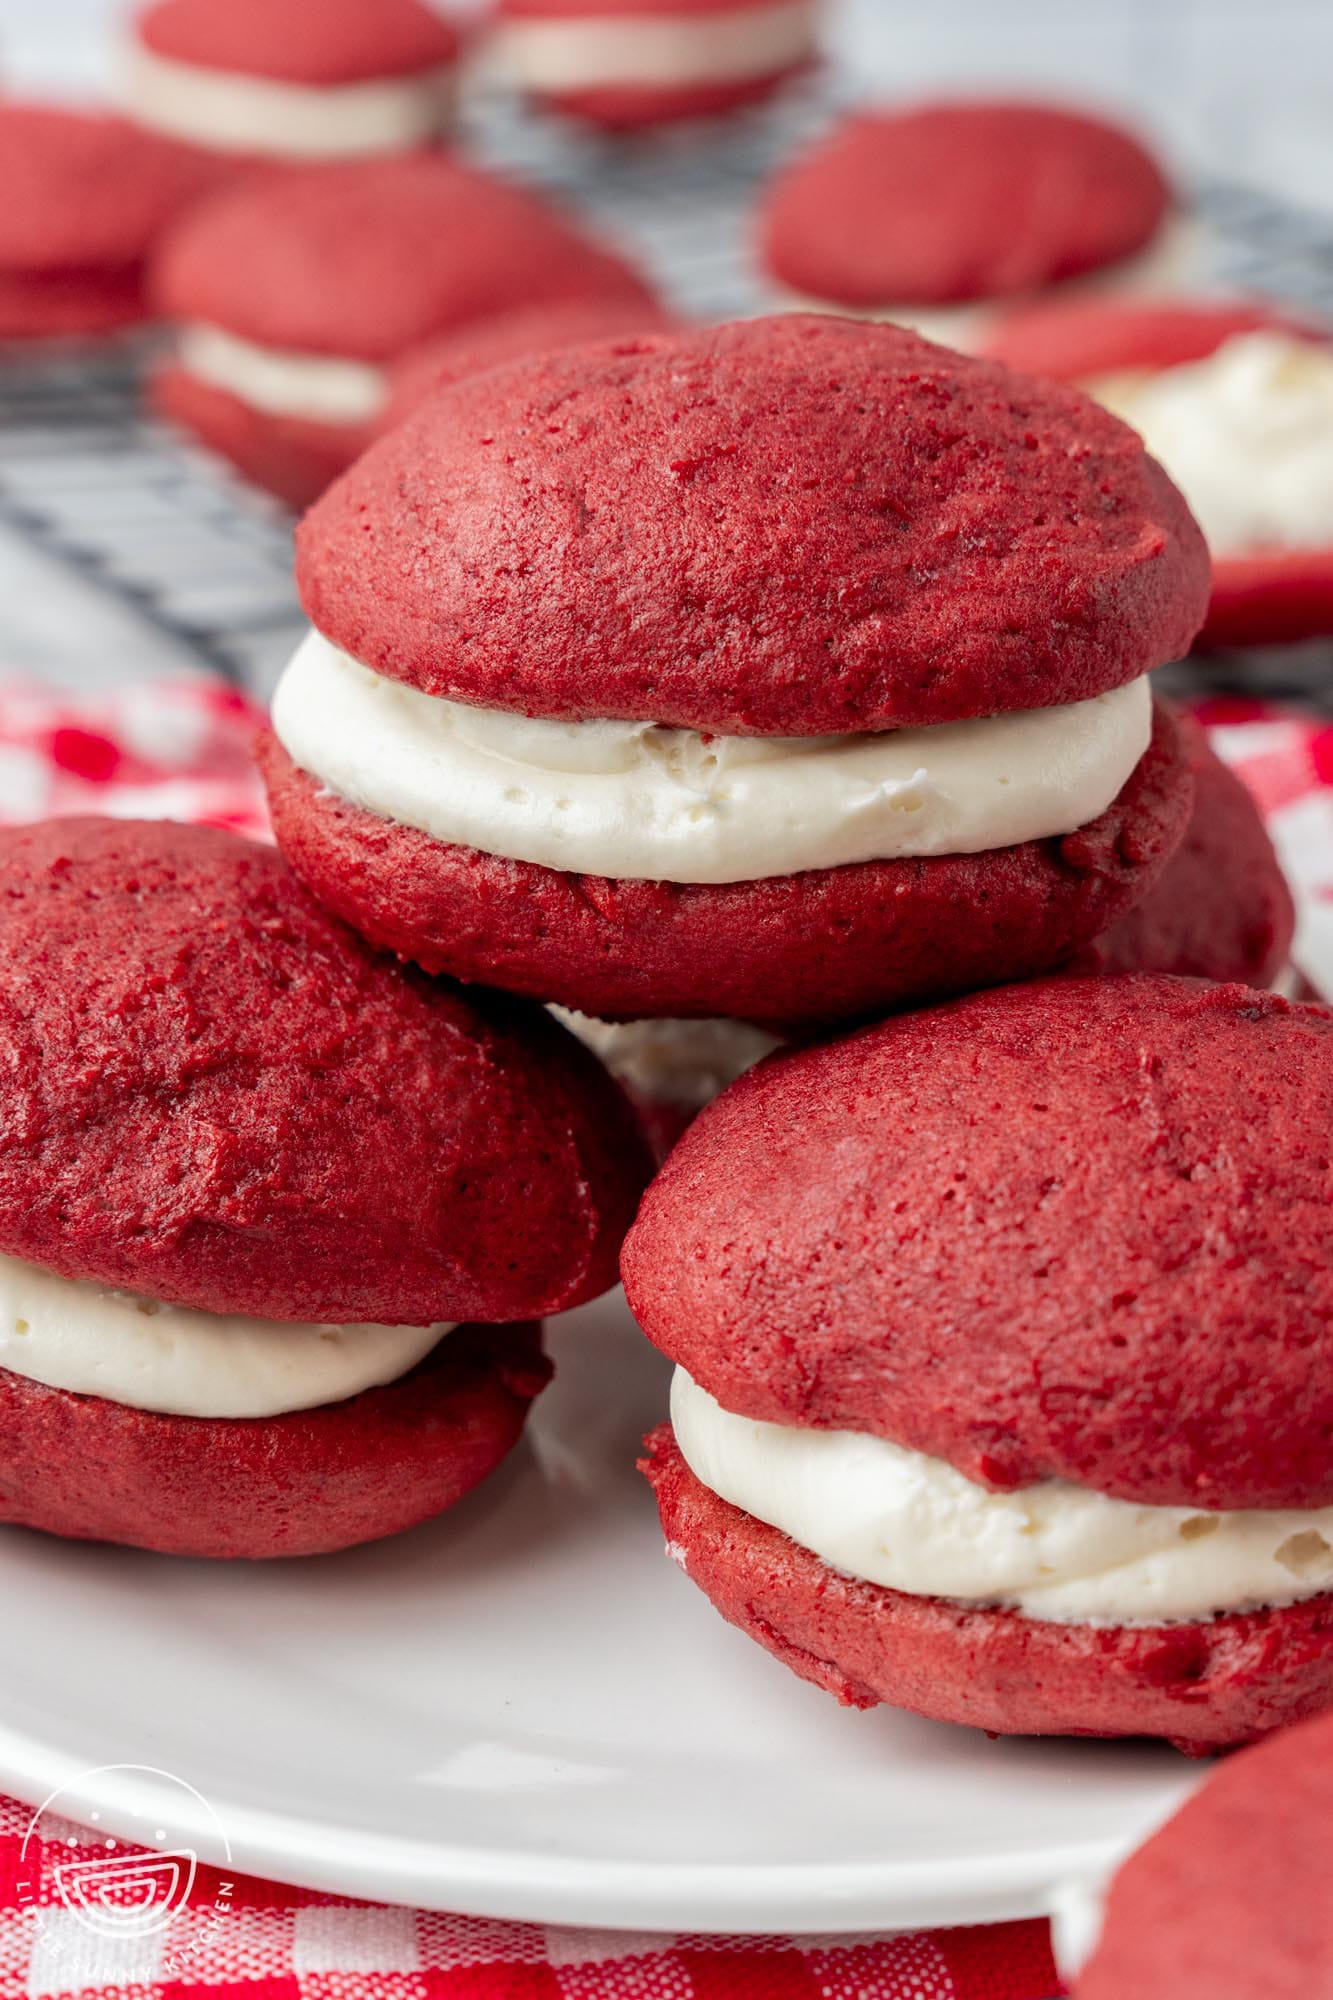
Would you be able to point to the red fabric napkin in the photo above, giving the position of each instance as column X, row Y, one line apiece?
column 181, row 750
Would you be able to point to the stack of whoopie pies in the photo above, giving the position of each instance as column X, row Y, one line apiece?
column 795, row 671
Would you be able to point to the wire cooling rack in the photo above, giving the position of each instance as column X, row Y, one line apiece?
column 157, row 532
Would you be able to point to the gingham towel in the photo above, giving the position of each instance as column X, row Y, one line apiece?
column 181, row 750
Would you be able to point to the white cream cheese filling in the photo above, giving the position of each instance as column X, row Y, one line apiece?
column 659, row 51
column 1247, row 434
column 636, row 801
column 92, row 1341
column 682, row 1063
column 320, row 388
column 1054, row 1551
column 235, row 113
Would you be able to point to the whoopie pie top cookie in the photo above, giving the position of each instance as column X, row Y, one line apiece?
column 996, row 543
column 293, row 78
column 220, row 1097
column 945, row 203
column 1074, row 1232
column 87, row 198
column 1229, row 1900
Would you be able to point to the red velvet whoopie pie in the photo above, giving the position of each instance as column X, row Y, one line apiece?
column 1001, row 1341
column 951, row 203
column 278, row 1218
column 295, row 296
column 626, row 65
column 1237, row 400
column 785, row 671
column 251, row 81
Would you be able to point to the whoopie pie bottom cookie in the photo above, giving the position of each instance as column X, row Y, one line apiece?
column 292, row 457
column 1203, row 1685
column 303, row 1483
column 824, row 944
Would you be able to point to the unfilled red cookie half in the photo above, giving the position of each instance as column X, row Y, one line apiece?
column 1236, row 399
column 1228, row 1900
column 946, row 203
column 245, row 80
column 822, row 945
column 87, row 198
column 627, row 65
column 1000, row 1336
column 295, row 294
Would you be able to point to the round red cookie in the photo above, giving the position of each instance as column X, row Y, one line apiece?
column 512, row 336
column 1266, row 596
column 824, row 945
column 656, row 61
column 1203, row 1686
column 1221, row 908
column 1081, row 1229
column 1229, row 1900
column 1061, row 561
column 220, row 1097
column 299, row 1485
column 316, row 42
column 87, row 197
column 950, row 202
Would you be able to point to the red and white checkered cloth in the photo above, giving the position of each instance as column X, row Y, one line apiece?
column 181, row 750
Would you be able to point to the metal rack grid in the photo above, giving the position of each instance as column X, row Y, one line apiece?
column 92, row 484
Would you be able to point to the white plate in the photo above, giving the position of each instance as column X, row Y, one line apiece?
column 526, row 1711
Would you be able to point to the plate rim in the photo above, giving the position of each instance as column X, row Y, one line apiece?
column 704, row 1898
